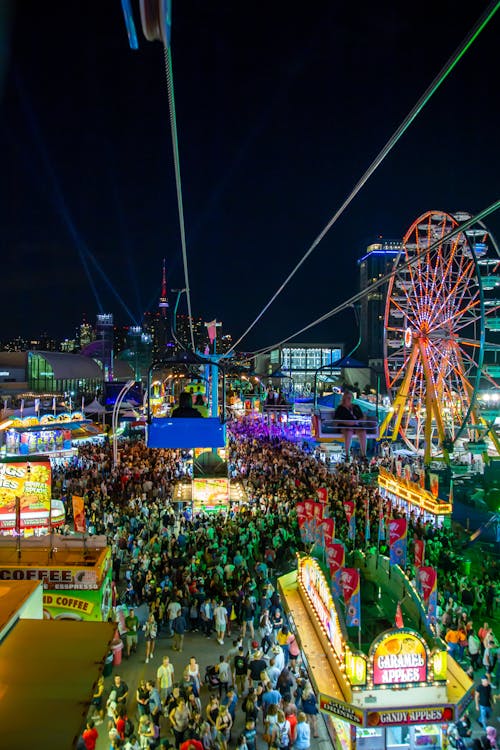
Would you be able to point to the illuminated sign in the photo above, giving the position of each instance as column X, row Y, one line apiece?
column 355, row 665
column 412, row 493
column 341, row 710
column 210, row 495
column 399, row 657
column 318, row 591
column 30, row 481
column 53, row 578
column 405, row 716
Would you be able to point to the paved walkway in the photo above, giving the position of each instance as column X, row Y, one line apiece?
column 207, row 652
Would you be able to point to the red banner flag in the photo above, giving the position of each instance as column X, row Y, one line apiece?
column 309, row 509
column 318, row 512
column 301, row 514
column 328, row 529
column 398, row 620
column 427, row 577
column 322, row 494
column 397, row 529
column 349, row 510
column 335, row 556
column 434, row 484
column 79, row 514
column 419, row 552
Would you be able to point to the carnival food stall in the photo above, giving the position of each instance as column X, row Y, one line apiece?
column 26, row 505
column 76, row 574
column 399, row 693
column 412, row 498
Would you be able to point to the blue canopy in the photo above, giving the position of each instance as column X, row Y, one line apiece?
column 208, row 432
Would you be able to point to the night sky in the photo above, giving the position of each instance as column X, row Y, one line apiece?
column 281, row 107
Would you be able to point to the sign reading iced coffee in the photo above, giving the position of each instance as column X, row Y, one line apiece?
column 399, row 658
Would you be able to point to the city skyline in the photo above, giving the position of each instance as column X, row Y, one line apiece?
column 270, row 145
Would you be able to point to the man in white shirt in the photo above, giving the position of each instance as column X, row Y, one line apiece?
column 165, row 678
column 220, row 618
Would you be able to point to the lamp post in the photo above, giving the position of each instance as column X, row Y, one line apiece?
column 114, row 418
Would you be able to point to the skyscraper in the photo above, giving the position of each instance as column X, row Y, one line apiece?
column 375, row 263
column 105, row 337
column 157, row 323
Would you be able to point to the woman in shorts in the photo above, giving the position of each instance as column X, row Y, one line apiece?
column 150, row 632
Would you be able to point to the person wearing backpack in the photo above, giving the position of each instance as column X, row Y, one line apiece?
column 240, row 669
column 284, row 731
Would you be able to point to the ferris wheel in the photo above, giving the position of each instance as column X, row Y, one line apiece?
column 441, row 314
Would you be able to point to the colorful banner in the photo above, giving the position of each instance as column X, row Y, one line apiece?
column 317, row 527
column 327, row 530
column 301, row 518
column 399, row 658
column 434, row 484
column 308, row 525
column 351, row 532
column 419, row 553
column 335, row 558
column 30, row 481
column 421, row 478
column 397, row 541
column 381, row 527
column 350, row 584
column 349, row 510
column 427, row 580
column 322, row 494
column 399, row 467
column 79, row 514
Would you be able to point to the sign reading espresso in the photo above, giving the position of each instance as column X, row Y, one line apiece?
column 423, row 715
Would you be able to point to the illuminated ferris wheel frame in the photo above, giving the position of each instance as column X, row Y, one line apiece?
column 434, row 338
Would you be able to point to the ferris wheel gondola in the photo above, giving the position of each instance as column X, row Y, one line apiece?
column 441, row 307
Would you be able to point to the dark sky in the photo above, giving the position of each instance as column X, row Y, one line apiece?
column 281, row 107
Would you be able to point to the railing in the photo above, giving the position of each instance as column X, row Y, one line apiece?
column 335, row 428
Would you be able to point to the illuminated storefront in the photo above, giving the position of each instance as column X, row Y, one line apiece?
column 408, row 497
column 400, row 694
column 26, row 504
column 76, row 579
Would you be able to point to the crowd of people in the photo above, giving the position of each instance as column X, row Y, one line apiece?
column 216, row 576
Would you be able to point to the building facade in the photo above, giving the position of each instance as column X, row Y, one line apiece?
column 297, row 366
column 373, row 265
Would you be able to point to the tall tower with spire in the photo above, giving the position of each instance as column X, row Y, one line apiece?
column 163, row 304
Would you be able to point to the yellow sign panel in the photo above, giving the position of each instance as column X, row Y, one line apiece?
column 30, row 481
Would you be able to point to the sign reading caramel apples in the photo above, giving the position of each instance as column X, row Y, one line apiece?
column 30, row 481
column 399, row 658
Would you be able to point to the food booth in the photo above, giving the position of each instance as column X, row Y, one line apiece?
column 399, row 695
column 409, row 497
column 75, row 572
column 26, row 505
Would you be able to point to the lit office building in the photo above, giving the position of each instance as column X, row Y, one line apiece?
column 375, row 263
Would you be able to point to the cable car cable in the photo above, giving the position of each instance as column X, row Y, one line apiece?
column 412, row 115
column 384, row 279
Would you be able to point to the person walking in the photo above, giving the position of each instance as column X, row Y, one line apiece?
column 483, row 698
column 150, row 631
column 179, row 627
column 165, row 678
column 220, row 621
column 302, row 733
